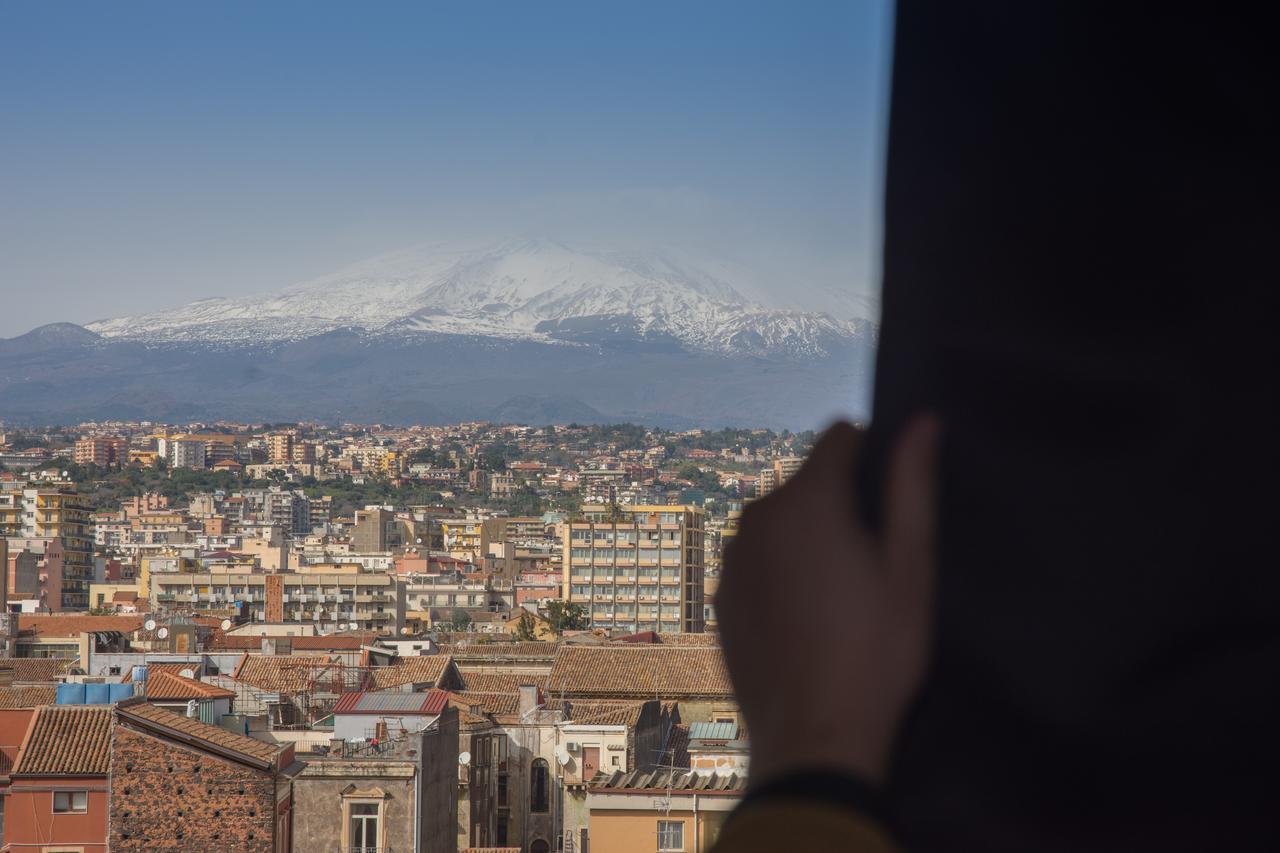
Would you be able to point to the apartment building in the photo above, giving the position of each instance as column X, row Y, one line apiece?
column 328, row 601
column 54, row 513
column 782, row 469
column 280, row 447
column 637, row 568
column 100, row 451
column 184, row 451
column 469, row 538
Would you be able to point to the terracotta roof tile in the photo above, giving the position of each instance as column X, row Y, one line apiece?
column 330, row 643
column 606, row 713
column 12, row 698
column 488, row 681
column 67, row 740
column 71, row 626
column 155, row 720
column 36, row 669
column 424, row 669
column 640, row 671
column 290, row 673
column 166, row 685
column 164, row 666
column 487, row 703
column 486, row 651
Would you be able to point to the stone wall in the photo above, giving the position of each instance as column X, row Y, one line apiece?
column 167, row 797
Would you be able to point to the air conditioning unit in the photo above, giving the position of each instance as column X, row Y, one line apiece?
column 573, row 746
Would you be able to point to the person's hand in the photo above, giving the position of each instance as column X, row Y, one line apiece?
column 827, row 629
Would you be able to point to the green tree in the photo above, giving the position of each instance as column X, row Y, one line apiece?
column 563, row 616
column 526, row 628
column 460, row 619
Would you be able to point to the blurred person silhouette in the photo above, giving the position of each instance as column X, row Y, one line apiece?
column 1046, row 618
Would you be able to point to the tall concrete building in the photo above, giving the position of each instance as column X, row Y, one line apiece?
column 280, row 448
column 637, row 568
column 60, row 515
column 101, row 451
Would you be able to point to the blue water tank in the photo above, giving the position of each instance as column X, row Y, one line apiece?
column 139, row 673
column 120, row 692
column 70, row 694
column 97, row 694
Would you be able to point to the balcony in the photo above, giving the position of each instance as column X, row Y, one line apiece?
column 379, row 617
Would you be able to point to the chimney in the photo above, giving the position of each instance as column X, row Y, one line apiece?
column 528, row 698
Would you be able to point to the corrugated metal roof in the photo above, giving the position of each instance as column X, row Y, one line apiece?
column 713, row 731
column 430, row 702
column 674, row 780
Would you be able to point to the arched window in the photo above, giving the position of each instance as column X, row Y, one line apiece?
column 538, row 781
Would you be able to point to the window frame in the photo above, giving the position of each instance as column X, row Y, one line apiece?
column 378, row 819
column 665, row 827
column 70, row 795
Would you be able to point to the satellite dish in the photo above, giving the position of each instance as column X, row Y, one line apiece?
column 162, row 633
column 562, row 756
column 150, row 624
column 418, row 541
column 404, row 632
column 464, row 758
column 354, row 626
column 226, row 624
column 188, row 673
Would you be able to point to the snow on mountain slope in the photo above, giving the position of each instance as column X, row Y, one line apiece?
column 531, row 289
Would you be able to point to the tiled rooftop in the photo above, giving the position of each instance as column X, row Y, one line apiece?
column 67, row 740
column 489, row 651
column 641, row 671
column 154, row 669
column 489, row 681
column 36, row 669
column 290, row 673
column 73, row 626
column 12, row 698
column 157, row 720
column 606, row 713
column 165, row 685
column 488, row 703
column 424, row 669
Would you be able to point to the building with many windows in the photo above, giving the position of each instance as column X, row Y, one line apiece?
column 637, row 568
column 329, row 601
column 55, row 512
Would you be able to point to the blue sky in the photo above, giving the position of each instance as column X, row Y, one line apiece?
column 153, row 153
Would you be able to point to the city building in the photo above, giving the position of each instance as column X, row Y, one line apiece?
column 397, row 795
column 100, row 451
column 59, row 517
column 660, row 809
column 181, row 784
column 58, row 795
column 329, row 600
column 637, row 568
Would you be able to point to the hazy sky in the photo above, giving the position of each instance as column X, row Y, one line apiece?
column 154, row 153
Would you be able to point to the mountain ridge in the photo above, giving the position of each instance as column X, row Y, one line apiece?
column 527, row 289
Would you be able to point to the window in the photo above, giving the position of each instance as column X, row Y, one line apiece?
column 70, row 802
column 670, row 835
column 363, row 826
column 538, row 775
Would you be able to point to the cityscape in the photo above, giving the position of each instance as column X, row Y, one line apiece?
column 371, row 638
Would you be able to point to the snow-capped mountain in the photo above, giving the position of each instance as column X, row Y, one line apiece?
column 525, row 289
